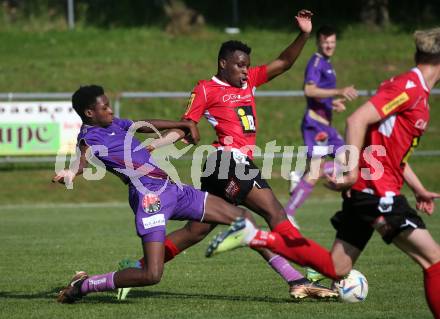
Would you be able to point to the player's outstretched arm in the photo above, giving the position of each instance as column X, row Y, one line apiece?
column 425, row 199
column 177, row 131
column 348, row 93
column 291, row 53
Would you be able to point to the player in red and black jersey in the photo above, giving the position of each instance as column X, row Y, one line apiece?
column 227, row 101
column 386, row 129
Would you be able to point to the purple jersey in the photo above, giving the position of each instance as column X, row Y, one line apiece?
column 125, row 161
column 319, row 71
column 153, row 199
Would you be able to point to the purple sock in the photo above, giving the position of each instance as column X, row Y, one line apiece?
column 282, row 267
column 98, row 283
column 299, row 195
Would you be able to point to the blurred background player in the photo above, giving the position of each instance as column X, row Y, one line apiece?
column 320, row 91
column 153, row 198
column 227, row 101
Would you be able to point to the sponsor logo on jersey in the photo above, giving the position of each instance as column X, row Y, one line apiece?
column 151, row 203
column 235, row 97
column 395, row 103
column 153, row 221
column 246, row 116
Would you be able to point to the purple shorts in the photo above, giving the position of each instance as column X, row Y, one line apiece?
column 153, row 208
column 321, row 136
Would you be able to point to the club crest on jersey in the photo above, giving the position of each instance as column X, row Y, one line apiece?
column 321, row 138
column 246, row 116
column 151, row 203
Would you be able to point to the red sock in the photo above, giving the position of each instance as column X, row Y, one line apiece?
column 171, row 251
column 288, row 242
column 432, row 292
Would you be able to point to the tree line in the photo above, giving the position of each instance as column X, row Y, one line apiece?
column 256, row 13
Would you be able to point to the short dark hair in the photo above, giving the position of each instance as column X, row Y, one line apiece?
column 229, row 47
column 326, row 31
column 426, row 58
column 85, row 98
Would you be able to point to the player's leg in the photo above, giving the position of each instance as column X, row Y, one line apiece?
column 423, row 249
column 214, row 211
column 235, row 190
column 344, row 256
column 312, row 135
column 82, row 284
column 284, row 240
column 290, row 243
column 218, row 211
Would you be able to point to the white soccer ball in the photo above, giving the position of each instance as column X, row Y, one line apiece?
column 353, row 288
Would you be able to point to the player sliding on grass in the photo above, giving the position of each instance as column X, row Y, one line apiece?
column 386, row 129
column 227, row 101
column 153, row 198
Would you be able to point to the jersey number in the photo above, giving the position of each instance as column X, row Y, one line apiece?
column 246, row 118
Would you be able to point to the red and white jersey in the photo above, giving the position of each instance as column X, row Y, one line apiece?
column 402, row 103
column 230, row 110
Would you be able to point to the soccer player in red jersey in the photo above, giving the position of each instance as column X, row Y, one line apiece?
column 227, row 101
column 383, row 133
column 386, row 129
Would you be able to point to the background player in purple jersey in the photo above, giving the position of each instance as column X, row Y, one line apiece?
column 320, row 90
column 152, row 196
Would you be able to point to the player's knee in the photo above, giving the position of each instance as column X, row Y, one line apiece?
column 152, row 276
column 198, row 232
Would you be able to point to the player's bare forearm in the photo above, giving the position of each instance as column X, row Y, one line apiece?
column 168, row 138
column 288, row 57
column 412, row 180
column 312, row 91
column 161, row 125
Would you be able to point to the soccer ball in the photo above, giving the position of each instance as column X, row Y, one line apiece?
column 353, row 288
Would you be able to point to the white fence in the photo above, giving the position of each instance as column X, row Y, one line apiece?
column 117, row 103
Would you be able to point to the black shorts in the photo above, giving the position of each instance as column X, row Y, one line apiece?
column 231, row 176
column 362, row 213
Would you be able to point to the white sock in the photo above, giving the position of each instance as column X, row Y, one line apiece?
column 250, row 231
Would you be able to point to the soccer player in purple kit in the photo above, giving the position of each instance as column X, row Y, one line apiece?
column 152, row 196
column 318, row 134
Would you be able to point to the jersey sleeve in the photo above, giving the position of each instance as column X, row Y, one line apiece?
column 92, row 140
column 197, row 104
column 312, row 74
column 122, row 123
column 392, row 98
column 257, row 75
